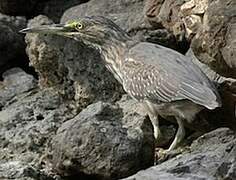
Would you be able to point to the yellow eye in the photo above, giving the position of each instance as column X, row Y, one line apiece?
column 79, row 26
column 75, row 25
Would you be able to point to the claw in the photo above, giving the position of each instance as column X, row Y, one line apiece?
column 162, row 155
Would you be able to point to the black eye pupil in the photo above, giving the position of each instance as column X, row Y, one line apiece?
column 79, row 26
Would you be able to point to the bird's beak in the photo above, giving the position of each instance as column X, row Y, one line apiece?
column 47, row 29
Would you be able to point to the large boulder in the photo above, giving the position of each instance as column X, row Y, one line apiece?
column 73, row 69
column 12, row 45
column 104, row 141
column 211, row 156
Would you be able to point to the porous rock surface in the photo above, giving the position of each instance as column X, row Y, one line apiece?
column 210, row 157
column 73, row 69
column 215, row 43
column 105, row 142
column 209, row 26
column 27, row 123
column 12, row 85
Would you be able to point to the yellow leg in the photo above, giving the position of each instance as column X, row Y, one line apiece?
column 156, row 128
column 179, row 135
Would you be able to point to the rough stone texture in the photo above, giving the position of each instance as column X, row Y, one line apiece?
column 128, row 15
column 73, row 69
column 211, row 156
column 166, row 14
column 104, row 141
column 192, row 13
column 210, row 24
column 15, row 82
column 215, row 43
column 12, row 45
column 27, row 124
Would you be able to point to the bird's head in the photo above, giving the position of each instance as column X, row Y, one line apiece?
column 94, row 31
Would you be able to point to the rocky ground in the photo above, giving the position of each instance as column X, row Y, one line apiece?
column 63, row 116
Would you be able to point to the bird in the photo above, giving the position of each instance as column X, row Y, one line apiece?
column 164, row 81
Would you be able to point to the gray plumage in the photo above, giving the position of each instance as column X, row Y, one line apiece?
column 162, row 75
column 163, row 80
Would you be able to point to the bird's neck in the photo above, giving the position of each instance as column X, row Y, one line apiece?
column 114, row 55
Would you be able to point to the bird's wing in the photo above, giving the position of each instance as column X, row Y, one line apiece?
column 157, row 73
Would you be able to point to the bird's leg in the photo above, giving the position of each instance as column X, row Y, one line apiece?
column 179, row 135
column 153, row 116
column 155, row 123
column 162, row 154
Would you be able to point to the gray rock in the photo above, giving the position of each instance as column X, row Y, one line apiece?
column 227, row 169
column 208, row 26
column 166, row 14
column 12, row 45
column 73, row 69
column 15, row 82
column 27, row 124
column 211, row 26
column 211, row 156
column 214, row 44
column 104, row 141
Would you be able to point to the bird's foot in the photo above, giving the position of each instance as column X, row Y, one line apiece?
column 162, row 155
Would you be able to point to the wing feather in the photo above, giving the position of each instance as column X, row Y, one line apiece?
column 160, row 74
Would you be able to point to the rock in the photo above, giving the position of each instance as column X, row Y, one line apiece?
column 73, row 69
column 214, row 44
column 15, row 82
column 27, row 124
column 227, row 169
column 21, row 171
column 12, row 45
column 54, row 9
column 104, row 141
column 211, row 156
column 131, row 21
column 17, row 7
column 209, row 27
column 166, row 14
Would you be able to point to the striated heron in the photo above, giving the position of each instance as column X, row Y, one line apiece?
column 163, row 80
